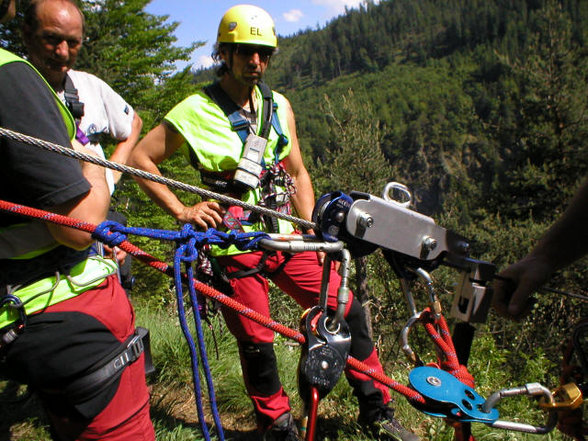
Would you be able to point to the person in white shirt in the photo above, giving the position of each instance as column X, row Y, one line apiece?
column 53, row 32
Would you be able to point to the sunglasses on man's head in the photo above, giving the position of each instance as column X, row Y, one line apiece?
column 248, row 50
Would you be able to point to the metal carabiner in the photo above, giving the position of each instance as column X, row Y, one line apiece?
column 533, row 389
column 434, row 302
column 408, row 352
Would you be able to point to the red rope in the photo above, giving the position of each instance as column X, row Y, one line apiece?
column 441, row 338
column 155, row 263
column 438, row 330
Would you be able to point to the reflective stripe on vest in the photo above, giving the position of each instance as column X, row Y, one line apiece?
column 55, row 289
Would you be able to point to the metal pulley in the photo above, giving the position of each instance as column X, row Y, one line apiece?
column 448, row 397
column 330, row 213
column 324, row 355
column 365, row 222
column 330, row 216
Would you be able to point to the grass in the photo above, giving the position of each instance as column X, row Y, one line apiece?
column 174, row 410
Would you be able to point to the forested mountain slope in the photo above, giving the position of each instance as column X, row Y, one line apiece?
column 480, row 91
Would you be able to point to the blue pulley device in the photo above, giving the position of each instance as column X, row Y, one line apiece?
column 460, row 401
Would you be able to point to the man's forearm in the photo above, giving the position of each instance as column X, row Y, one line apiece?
column 567, row 239
column 123, row 150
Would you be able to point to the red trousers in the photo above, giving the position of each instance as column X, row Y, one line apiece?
column 60, row 342
column 126, row 417
column 300, row 278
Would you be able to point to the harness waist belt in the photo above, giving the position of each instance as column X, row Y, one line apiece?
column 51, row 290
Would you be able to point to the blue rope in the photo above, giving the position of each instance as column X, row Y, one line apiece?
column 188, row 241
column 112, row 233
column 187, row 253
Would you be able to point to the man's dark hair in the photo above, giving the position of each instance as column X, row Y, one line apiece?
column 30, row 14
column 216, row 56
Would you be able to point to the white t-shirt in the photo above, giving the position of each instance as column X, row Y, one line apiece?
column 105, row 111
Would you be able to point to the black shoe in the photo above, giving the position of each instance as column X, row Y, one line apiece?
column 384, row 426
column 283, row 429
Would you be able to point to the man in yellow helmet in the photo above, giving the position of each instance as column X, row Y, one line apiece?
column 66, row 325
column 241, row 137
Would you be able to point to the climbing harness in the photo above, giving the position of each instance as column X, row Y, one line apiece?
column 252, row 171
column 72, row 99
column 76, row 108
column 238, row 122
column 42, row 293
column 87, row 386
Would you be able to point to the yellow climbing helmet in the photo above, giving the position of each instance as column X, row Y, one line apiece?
column 247, row 24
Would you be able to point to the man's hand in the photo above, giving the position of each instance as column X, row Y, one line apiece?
column 205, row 215
column 115, row 254
column 516, row 284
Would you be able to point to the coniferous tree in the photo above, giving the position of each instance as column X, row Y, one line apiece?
column 543, row 148
column 134, row 52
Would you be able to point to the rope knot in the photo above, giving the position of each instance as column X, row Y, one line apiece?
column 189, row 240
column 111, row 233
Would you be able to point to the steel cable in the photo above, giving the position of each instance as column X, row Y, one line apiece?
column 66, row 151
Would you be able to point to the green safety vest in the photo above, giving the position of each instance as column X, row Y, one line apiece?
column 52, row 290
column 19, row 246
column 49, row 291
column 210, row 138
column 8, row 57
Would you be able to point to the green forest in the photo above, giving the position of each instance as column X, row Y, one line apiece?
column 479, row 107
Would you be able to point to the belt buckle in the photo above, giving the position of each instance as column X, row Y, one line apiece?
column 136, row 346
